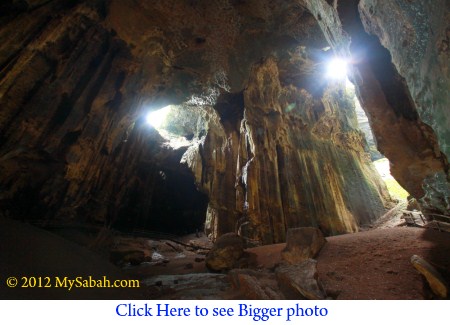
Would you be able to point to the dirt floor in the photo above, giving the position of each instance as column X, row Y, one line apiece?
column 376, row 264
column 373, row 264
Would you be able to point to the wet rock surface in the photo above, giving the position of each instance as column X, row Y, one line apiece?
column 188, row 286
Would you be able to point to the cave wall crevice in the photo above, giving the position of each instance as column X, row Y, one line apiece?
column 394, row 57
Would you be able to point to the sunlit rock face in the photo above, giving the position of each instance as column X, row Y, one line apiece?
column 274, row 146
column 400, row 55
column 296, row 160
column 417, row 35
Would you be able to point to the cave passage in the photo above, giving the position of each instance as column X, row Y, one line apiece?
column 381, row 163
column 171, row 202
column 176, row 206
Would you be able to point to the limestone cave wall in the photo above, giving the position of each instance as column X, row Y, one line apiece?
column 417, row 35
column 73, row 145
column 297, row 159
column 399, row 55
column 280, row 147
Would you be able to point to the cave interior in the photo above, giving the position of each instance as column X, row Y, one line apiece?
column 127, row 127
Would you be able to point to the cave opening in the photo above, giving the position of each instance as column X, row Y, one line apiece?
column 387, row 98
column 173, row 205
column 158, row 118
column 381, row 163
column 337, row 68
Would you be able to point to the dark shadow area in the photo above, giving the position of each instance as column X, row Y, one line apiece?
column 27, row 251
column 174, row 205
column 177, row 206
column 231, row 110
column 438, row 254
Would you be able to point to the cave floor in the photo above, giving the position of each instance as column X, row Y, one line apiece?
column 376, row 264
column 373, row 264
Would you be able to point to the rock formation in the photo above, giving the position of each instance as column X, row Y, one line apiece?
column 300, row 281
column 400, row 63
column 302, row 244
column 433, row 277
column 226, row 252
column 276, row 145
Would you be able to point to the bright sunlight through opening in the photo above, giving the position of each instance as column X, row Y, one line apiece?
column 162, row 120
column 158, row 118
column 337, row 69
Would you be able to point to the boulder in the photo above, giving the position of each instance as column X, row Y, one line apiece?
column 433, row 277
column 134, row 257
column 413, row 204
column 226, row 252
column 250, row 285
column 302, row 243
column 300, row 281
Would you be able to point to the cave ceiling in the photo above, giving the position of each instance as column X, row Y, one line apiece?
column 274, row 146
